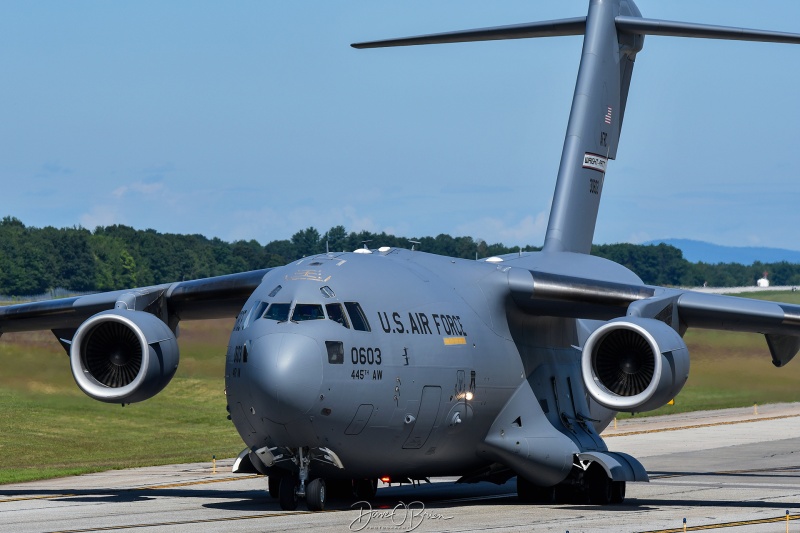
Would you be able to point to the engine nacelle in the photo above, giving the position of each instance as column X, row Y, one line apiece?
column 634, row 364
column 123, row 356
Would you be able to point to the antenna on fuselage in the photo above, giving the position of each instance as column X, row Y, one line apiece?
column 413, row 244
column 365, row 243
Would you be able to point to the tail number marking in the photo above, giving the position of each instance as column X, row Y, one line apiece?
column 365, row 356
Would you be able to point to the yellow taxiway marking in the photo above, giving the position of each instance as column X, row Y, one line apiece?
column 187, row 483
column 26, row 498
column 187, row 522
column 130, row 489
column 723, row 525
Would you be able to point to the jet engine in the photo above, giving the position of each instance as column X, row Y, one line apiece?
column 123, row 356
column 634, row 364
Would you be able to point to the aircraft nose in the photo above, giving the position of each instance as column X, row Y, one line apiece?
column 286, row 375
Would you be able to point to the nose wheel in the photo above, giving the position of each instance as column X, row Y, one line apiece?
column 287, row 495
column 316, row 494
column 292, row 480
column 291, row 488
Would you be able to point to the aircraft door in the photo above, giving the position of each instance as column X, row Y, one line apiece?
column 426, row 418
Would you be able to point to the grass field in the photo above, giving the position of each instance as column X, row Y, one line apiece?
column 49, row 428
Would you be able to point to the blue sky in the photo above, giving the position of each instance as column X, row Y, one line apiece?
column 252, row 120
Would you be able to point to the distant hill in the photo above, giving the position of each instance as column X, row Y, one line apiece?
column 706, row 252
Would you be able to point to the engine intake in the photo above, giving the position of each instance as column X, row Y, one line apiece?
column 634, row 364
column 123, row 356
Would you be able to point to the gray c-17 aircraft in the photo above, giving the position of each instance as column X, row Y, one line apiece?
column 346, row 367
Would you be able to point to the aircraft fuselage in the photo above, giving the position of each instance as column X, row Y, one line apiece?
column 397, row 361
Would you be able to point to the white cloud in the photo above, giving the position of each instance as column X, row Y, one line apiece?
column 352, row 221
column 100, row 215
column 528, row 230
column 639, row 237
column 267, row 224
column 139, row 187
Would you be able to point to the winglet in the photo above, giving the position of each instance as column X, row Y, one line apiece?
column 783, row 348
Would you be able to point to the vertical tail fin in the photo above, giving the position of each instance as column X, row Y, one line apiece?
column 614, row 33
column 595, row 122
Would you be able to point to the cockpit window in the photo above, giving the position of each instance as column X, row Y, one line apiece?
column 255, row 313
column 307, row 312
column 337, row 314
column 279, row 312
column 357, row 316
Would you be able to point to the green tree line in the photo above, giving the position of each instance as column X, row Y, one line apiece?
column 37, row 260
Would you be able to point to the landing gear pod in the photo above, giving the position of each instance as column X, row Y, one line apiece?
column 123, row 356
column 634, row 364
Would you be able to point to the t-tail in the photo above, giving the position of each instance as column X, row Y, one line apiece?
column 614, row 33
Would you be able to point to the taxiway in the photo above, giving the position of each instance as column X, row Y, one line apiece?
column 730, row 470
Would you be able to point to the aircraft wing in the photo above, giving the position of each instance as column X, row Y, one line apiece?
column 216, row 297
column 558, row 295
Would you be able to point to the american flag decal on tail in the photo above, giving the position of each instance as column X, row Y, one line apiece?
column 608, row 116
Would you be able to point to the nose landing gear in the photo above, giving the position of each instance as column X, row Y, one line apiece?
column 292, row 486
column 289, row 493
column 316, row 494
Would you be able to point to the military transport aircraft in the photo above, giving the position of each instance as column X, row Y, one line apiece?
column 346, row 367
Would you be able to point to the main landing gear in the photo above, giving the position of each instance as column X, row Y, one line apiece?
column 595, row 487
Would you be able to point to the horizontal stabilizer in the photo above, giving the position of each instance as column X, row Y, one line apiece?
column 548, row 28
column 577, row 26
column 643, row 26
